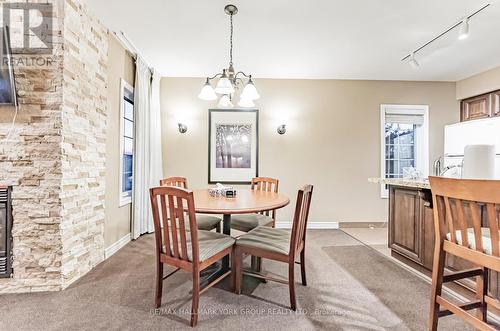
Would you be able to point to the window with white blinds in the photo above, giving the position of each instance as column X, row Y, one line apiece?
column 404, row 141
column 413, row 119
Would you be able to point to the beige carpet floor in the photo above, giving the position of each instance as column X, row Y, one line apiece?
column 350, row 287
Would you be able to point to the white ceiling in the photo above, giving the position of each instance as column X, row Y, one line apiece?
column 355, row 39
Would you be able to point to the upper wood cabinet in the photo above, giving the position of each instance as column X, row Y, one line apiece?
column 481, row 106
column 475, row 107
column 495, row 106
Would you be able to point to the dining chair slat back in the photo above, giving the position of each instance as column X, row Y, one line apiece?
column 268, row 185
column 300, row 219
column 174, row 181
column 466, row 222
column 177, row 244
column 261, row 243
column 461, row 205
column 171, row 233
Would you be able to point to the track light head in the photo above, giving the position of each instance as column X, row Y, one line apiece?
column 412, row 61
column 463, row 32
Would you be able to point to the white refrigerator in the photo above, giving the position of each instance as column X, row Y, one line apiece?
column 459, row 135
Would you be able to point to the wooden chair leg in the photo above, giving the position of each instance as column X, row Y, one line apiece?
column 159, row 283
column 303, row 266
column 259, row 264
column 238, row 256
column 291, row 285
column 481, row 292
column 256, row 263
column 233, row 271
column 196, row 297
column 437, row 284
column 253, row 263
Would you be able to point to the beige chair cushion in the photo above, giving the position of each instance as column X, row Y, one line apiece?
column 204, row 222
column 486, row 239
column 207, row 222
column 249, row 222
column 270, row 239
column 210, row 243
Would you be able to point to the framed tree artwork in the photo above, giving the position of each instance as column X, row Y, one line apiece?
column 233, row 145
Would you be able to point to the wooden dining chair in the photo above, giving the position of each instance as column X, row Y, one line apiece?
column 191, row 251
column 278, row 245
column 205, row 222
column 466, row 219
column 247, row 222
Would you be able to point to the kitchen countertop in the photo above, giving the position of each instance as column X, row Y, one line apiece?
column 421, row 183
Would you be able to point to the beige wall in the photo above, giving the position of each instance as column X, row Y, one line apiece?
column 332, row 139
column 117, row 219
column 478, row 84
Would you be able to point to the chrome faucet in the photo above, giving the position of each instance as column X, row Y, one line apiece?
column 437, row 166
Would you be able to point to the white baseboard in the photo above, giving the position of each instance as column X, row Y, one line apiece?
column 116, row 246
column 310, row 225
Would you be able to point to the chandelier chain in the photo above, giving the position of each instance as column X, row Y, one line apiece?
column 231, row 42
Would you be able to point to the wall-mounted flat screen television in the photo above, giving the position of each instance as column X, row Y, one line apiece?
column 7, row 83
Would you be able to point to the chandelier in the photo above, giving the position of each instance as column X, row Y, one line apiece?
column 229, row 81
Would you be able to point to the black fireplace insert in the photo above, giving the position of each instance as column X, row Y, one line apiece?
column 5, row 232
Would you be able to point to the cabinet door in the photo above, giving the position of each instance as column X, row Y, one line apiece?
column 495, row 100
column 429, row 236
column 405, row 215
column 476, row 107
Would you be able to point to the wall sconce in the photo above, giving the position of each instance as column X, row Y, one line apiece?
column 182, row 127
column 281, row 129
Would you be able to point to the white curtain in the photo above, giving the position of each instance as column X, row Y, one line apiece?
column 147, row 152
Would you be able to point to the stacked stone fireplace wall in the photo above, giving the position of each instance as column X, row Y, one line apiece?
column 84, row 141
column 55, row 155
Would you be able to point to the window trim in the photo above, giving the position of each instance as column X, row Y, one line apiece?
column 123, row 200
column 422, row 132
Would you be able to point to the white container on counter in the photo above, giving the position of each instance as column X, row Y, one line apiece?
column 479, row 162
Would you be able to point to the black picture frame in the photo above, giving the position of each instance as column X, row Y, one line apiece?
column 232, row 110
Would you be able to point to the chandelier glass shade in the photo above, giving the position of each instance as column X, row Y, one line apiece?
column 207, row 92
column 225, row 102
column 229, row 81
column 250, row 92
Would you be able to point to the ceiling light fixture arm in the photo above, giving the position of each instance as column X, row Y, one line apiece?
column 244, row 74
column 213, row 77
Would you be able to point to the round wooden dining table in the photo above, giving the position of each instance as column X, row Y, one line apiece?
column 246, row 201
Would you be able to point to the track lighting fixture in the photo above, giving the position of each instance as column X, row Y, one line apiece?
column 463, row 32
column 412, row 61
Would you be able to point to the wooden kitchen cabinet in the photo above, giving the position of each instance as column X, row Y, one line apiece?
column 429, row 236
column 475, row 108
column 412, row 235
column 406, row 215
column 481, row 106
column 495, row 103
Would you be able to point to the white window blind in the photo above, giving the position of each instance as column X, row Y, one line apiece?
column 397, row 116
